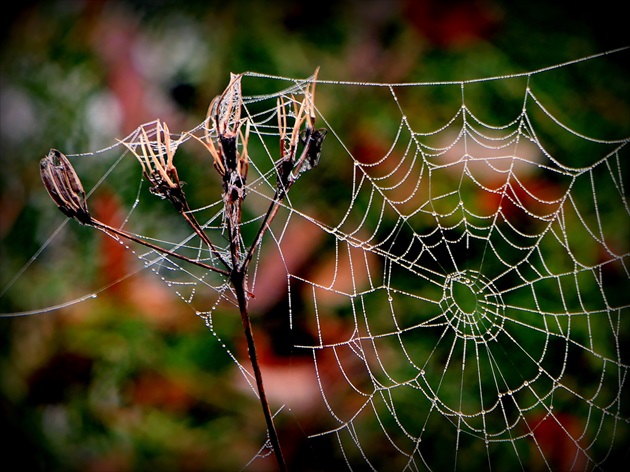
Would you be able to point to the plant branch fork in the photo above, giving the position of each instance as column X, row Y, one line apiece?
column 300, row 149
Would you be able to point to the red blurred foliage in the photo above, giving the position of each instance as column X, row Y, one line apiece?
column 116, row 37
column 452, row 23
column 539, row 197
column 138, row 294
column 554, row 435
column 158, row 391
column 114, row 267
column 366, row 148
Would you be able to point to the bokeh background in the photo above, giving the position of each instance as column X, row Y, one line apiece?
column 132, row 380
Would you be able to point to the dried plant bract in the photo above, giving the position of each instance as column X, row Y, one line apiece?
column 63, row 186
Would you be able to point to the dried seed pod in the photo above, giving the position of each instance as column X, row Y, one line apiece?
column 312, row 140
column 64, row 187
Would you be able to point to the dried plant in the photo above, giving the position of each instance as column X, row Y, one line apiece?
column 300, row 149
column 64, row 187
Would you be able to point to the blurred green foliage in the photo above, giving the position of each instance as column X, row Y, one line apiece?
column 121, row 383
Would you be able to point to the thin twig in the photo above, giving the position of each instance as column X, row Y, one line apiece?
column 265, row 225
column 108, row 229
column 194, row 224
column 238, row 281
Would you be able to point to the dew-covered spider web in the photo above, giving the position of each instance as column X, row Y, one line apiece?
column 449, row 294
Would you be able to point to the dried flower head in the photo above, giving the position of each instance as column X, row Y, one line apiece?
column 291, row 165
column 156, row 159
column 64, row 187
column 225, row 109
column 224, row 116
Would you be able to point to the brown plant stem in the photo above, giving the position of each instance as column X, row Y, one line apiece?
column 237, row 277
column 110, row 230
column 238, row 281
column 192, row 222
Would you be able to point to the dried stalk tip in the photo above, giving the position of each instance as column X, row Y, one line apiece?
column 225, row 115
column 156, row 159
column 292, row 165
column 64, row 187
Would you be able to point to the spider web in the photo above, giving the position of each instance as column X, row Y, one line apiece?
column 457, row 297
